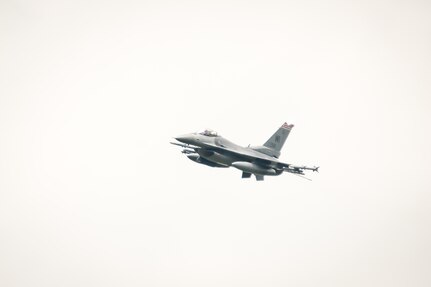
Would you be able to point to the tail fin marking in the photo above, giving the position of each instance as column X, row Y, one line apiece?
column 277, row 140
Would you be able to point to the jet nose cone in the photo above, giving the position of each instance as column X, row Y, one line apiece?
column 181, row 138
column 185, row 138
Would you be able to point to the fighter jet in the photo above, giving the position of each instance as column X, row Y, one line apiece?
column 211, row 149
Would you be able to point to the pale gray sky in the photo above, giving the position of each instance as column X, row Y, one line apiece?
column 92, row 194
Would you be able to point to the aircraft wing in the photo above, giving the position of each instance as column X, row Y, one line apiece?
column 249, row 155
column 262, row 159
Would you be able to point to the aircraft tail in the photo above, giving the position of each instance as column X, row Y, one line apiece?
column 278, row 139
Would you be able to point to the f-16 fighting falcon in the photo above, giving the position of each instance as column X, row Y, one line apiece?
column 209, row 148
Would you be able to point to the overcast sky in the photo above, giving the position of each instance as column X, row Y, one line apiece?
column 93, row 194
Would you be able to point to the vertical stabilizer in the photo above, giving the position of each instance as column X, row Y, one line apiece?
column 278, row 139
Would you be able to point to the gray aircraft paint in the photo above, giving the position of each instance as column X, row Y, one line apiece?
column 277, row 140
column 209, row 148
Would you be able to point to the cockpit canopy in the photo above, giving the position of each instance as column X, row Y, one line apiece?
column 209, row 133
